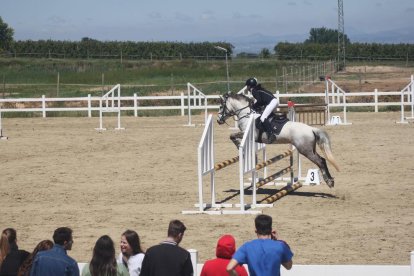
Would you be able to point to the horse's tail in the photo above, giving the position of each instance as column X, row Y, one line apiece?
column 324, row 143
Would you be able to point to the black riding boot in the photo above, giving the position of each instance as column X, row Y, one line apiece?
column 269, row 131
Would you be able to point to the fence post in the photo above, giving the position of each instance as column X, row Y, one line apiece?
column 194, row 259
column 135, row 105
column 189, row 105
column 182, row 104
column 412, row 96
column 402, row 106
column 376, row 99
column 89, row 106
column 44, row 106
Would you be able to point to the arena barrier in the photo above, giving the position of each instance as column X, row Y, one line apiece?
column 1, row 130
column 110, row 103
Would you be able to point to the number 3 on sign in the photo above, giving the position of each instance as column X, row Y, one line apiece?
column 313, row 177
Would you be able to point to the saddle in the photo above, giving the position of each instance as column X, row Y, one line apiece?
column 277, row 120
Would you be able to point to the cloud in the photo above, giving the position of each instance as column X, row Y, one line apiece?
column 409, row 10
column 290, row 3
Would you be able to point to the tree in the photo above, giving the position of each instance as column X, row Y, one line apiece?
column 265, row 53
column 324, row 36
column 6, row 35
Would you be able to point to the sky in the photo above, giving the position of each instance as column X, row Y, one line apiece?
column 194, row 20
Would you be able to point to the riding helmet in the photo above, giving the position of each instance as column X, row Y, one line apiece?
column 252, row 82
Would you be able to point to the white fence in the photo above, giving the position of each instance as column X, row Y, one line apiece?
column 89, row 104
column 325, row 270
column 196, row 100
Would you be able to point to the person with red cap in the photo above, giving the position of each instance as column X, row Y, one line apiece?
column 226, row 246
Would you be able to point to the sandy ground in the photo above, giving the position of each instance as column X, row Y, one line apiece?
column 62, row 172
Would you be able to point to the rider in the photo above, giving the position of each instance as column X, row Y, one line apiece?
column 263, row 98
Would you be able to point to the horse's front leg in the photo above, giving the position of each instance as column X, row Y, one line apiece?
column 237, row 138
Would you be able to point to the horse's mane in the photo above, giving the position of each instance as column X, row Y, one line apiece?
column 240, row 97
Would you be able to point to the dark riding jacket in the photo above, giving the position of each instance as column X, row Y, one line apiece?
column 263, row 97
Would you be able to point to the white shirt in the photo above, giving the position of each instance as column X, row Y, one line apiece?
column 134, row 263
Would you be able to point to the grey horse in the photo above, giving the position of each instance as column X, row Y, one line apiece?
column 302, row 136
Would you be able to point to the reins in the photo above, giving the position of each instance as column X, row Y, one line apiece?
column 235, row 113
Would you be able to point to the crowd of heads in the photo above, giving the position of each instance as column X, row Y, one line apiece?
column 50, row 257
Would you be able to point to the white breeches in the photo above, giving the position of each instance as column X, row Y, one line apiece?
column 269, row 109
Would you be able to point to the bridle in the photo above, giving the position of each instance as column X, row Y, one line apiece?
column 225, row 113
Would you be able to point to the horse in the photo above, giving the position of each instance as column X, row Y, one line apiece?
column 302, row 136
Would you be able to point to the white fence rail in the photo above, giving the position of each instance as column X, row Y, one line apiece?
column 324, row 270
column 90, row 104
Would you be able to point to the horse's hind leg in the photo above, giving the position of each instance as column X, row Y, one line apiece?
column 237, row 138
column 321, row 163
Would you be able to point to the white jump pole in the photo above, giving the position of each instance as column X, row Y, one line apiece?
column 412, row 97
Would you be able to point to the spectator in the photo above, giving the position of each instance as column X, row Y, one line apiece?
column 55, row 262
column 131, row 252
column 167, row 258
column 25, row 268
column 103, row 260
column 226, row 246
column 265, row 254
column 10, row 256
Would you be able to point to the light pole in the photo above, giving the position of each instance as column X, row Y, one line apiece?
column 227, row 66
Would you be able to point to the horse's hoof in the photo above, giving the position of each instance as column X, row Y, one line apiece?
column 330, row 183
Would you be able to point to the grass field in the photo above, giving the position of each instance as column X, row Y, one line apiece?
column 70, row 78
column 32, row 78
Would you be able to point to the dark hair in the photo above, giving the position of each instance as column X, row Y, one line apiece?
column 8, row 237
column 133, row 241
column 27, row 264
column 175, row 228
column 62, row 235
column 11, row 235
column 263, row 224
column 103, row 259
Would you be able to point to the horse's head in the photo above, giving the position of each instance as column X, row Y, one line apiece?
column 231, row 104
column 224, row 111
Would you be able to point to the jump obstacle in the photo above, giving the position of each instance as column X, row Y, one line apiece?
column 110, row 103
column 338, row 97
column 197, row 102
column 247, row 166
column 407, row 97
